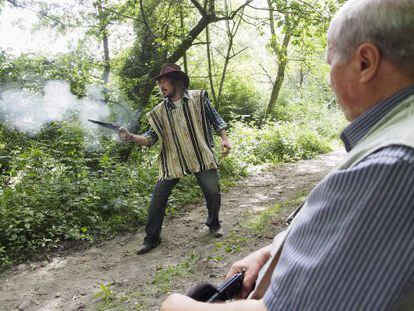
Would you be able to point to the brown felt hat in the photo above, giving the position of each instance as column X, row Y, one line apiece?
column 175, row 71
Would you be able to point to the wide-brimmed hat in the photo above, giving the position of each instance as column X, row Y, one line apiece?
column 175, row 71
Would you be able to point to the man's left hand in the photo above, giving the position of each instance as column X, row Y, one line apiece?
column 178, row 302
column 225, row 147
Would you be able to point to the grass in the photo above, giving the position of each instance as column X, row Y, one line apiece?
column 164, row 282
column 164, row 279
column 259, row 224
column 105, row 293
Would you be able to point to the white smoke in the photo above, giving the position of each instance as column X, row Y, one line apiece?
column 29, row 112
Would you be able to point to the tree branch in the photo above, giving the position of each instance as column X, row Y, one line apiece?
column 121, row 14
column 144, row 18
column 41, row 12
column 288, row 10
column 235, row 12
column 237, row 53
column 267, row 75
column 44, row 14
column 199, row 7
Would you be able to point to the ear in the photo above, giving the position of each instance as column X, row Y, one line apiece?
column 369, row 60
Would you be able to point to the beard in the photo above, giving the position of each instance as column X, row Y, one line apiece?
column 169, row 93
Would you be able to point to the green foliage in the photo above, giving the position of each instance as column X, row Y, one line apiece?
column 240, row 100
column 311, row 107
column 51, row 195
column 33, row 71
column 105, row 293
column 276, row 142
column 233, row 243
column 259, row 223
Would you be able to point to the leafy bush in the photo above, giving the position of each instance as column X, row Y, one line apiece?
column 276, row 142
column 240, row 100
column 32, row 71
column 51, row 195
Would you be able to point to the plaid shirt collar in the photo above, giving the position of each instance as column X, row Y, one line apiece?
column 354, row 132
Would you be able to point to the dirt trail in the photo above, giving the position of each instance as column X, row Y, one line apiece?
column 71, row 282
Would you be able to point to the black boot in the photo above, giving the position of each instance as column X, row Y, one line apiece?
column 216, row 232
column 147, row 247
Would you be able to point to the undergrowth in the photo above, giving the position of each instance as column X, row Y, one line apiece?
column 54, row 189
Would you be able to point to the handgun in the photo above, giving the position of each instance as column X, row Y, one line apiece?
column 229, row 288
column 207, row 292
column 106, row 124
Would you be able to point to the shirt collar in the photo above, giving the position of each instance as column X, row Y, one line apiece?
column 170, row 103
column 354, row 132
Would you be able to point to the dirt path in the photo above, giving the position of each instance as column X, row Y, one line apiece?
column 187, row 253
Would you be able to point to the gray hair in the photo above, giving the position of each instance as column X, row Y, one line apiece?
column 389, row 24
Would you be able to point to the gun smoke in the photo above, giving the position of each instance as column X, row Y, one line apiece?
column 30, row 112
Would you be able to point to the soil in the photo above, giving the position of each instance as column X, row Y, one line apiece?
column 112, row 277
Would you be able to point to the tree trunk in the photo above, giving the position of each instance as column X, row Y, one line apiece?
column 210, row 69
column 277, row 85
column 301, row 76
column 282, row 58
column 280, row 76
column 103, row 23
column 107, row 60
column 182, row 37
column 231, row 33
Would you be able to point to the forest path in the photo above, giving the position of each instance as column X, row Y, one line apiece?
column 187, row 254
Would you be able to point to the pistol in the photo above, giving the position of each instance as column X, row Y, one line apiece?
column 209, row 293
column 106, row 124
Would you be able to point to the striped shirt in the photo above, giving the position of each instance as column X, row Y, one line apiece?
column 354, row 248
column 214, row 120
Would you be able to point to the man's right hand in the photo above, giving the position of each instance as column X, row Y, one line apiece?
column 124, row 134
column 251, row 264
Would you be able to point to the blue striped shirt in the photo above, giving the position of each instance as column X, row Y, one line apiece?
column 214, row 120
column 354, row 248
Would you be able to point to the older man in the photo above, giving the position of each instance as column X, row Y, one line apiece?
column 351, row 247
column 182, row 122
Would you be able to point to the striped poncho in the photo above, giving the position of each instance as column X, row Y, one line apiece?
column 183, row 133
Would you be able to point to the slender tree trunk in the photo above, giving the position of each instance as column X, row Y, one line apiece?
column 277, row 85
column 231, row 32
column 182, row 36
column 301, row 76
column 223, row 74
column 210, row 68
column 282, row 58
column 280, row 76
column 227, row 57
column 107, row 60
column 105, row 42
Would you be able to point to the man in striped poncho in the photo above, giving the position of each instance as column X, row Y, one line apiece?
column 182, row 122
